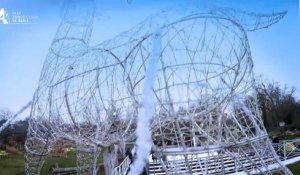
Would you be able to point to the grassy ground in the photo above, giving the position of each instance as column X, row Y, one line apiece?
column 14, row 164
column 69, row 161
column 295, row 168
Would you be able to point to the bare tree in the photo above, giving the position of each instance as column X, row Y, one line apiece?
column 5, row 114
column 277, row 103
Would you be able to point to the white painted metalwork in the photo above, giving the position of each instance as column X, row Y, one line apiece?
column 92, row 95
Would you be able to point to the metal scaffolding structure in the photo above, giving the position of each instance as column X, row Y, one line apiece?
column 92, row 95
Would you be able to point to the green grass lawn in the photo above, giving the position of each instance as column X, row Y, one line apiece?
column 69, row 161
column 14, row 164
column 295, row 168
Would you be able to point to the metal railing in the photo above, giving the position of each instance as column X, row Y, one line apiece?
column 287, row 149
column 122, row 168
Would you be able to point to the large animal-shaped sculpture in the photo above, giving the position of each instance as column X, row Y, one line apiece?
column 92, row 94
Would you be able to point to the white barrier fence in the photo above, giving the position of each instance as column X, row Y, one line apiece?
column 287, row 150
column 122, row 168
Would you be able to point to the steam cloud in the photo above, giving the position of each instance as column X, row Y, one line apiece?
column 143, row 131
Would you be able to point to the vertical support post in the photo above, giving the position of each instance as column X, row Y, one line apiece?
column 284, row 150
column 222, row 162
column 235, row 164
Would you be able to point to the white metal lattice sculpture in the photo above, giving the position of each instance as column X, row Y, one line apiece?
column 92, row 95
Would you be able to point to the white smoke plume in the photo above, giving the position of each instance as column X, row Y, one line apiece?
column 143, row 131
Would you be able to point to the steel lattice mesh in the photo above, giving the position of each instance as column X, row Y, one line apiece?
column 92, row 94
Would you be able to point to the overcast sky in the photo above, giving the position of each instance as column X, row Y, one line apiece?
column 23, row 48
